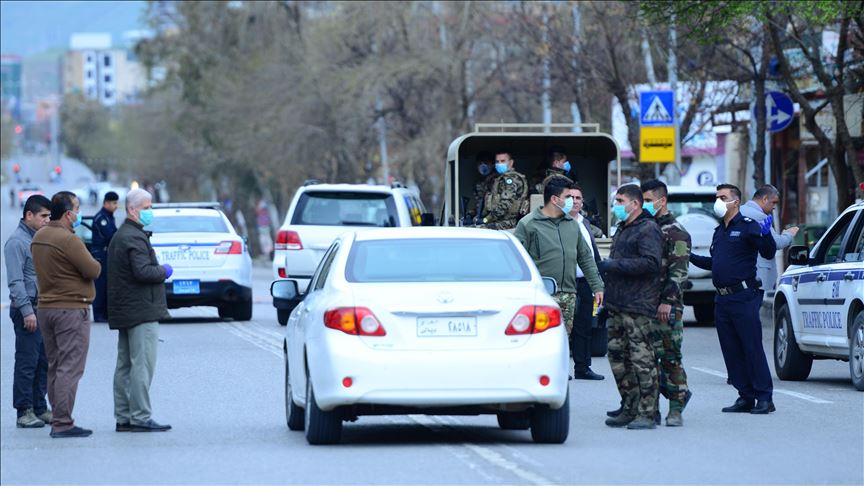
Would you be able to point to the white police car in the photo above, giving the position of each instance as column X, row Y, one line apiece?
column 819, row 304
column 321, row 212
column 211, row 262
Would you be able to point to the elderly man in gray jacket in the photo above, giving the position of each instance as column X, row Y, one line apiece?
column 760, row 208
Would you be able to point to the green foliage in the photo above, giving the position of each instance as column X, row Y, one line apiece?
column 7, row 136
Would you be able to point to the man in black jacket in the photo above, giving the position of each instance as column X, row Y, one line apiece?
column 633, row 293
column 136, row 303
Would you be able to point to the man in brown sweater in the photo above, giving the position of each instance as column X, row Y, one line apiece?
column 65, row 272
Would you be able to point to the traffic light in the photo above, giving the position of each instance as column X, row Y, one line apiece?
column 16, row 168
column 19, row 129
column 58, row 170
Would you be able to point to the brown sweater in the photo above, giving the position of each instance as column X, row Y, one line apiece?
column 65, row 271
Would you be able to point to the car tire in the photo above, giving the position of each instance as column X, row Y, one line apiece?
column 321, row 427
column 294, row 414
column 704, row 313
column 599, row 341
column 551, row 426
column 790, row 363
column 514, row 420
column 856, row 352
column 242, row 310
column 224, row 312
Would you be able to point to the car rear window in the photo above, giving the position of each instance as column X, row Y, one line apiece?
column 187, row 224
column 345, row 209
column 436, row 260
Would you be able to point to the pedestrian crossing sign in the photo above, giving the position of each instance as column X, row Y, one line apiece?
column 656, row 108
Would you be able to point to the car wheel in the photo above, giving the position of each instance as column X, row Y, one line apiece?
column 551, row 426
column 599, row 341
column 224, row 312
column 321, row 427
column 514, row 420
column 704, row 313
column 242, row 310
column 856, row 352
column 789, row 362
column 293, row 414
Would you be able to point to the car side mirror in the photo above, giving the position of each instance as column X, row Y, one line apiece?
column 551, row 285
column 799, row 255
column 427, row 219
column 285, row 293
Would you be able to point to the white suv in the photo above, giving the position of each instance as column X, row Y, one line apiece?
column 321, row 212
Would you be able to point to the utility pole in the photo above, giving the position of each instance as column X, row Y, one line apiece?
column 652, row 78
column 382, row 130
column 574, row 105
column 545, row 99
column 672, row 68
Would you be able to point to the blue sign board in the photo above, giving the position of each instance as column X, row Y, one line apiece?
column 780, row 111
column 656, row 108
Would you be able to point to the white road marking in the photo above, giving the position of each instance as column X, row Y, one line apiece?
column 253, row 338
column 802, row 396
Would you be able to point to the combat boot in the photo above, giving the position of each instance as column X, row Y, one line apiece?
column 29, row 420
column 642, row 423
column 674, row 419
column 46, row 417
column 621, row 420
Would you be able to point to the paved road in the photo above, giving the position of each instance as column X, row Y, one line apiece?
column 219, row 383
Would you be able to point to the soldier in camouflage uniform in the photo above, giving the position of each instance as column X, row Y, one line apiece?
column 558, row 165
column 507, row 202
column 632, row 296
column 669, row 325
column 486, row 168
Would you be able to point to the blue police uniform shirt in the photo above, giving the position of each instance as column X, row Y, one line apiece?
column 104, row 228
column 733, row 252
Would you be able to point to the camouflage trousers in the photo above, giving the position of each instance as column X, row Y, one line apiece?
column 567, row 302
column 667, row 348
column 503, row 224
column 632, row 359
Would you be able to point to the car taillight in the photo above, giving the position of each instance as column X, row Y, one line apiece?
column 288, row 240
column 357, row 321
column 229, row 248
column 283, row 273
column 533, row 319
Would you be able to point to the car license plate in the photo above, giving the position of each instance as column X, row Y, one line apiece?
column 187, row 287
column 446, row 326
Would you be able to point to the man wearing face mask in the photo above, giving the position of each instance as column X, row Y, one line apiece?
column 554, row 241
column 760, row 208
column 669, row 321
column 65, row 272
column 737, row 241
column 558, row 165
column 486, row 167
column 507, row 202
column 632, row 297
column 136, row 303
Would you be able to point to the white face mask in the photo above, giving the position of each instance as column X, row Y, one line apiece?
column 720, row 207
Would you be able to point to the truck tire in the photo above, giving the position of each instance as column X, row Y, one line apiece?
column 856, row 352
column 514, row 420
column 321, row 427
column 551, row 426
column 704, row 313
column 242, row 310
column 790, row 363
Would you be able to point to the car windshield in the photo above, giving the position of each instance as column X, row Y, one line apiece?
column 187, row 224
column 436, row 260
column 680, row 208
column 345, row 209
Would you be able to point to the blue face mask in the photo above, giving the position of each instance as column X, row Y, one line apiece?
column 145, row 217
column 568, row 205
column 650, row 208
column 77, row 221
column 501, row 167
column 619, row 212
column 567, row 166
column 484, row 169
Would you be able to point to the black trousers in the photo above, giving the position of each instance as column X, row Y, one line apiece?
column 739, row 330
column 30, row 383
column 100, row 302
column 580, row 338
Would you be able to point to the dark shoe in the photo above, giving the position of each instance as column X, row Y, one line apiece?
column 588, row 375
column 73, row 432
column 657, row 417
column 123, row 428
column 687, row 397
column 622, row 420
column 642, row 423
column 763, row 407
column 149, row 426
column 742, row 405
column 616, row 412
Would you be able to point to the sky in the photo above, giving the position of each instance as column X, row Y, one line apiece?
column 28, row 28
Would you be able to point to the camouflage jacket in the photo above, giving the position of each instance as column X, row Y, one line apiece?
column 675, row 262
column 507, row 201
column 481, row 189
column 537, row 182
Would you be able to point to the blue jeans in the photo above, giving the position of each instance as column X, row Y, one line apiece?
column 31, row 368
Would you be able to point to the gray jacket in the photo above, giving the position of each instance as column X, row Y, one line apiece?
column 766, row 270
column 19, row 269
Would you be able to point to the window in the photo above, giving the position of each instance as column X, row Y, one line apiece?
column 89, row 74
column 107, row 78
column 415, row 209
column 324, row 269
column 325, row 208
column 829, row 248
column 857, row 248
column 164, row 223
column 436, row 260
column 106, row 61
column 108, row 94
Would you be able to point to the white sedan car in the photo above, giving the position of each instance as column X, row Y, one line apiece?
column 446, row 321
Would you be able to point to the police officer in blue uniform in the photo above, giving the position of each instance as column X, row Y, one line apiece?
column 104, row 228
column 737, row 241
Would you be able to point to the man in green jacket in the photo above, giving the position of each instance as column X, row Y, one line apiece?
column 555, row 243
column 136, row 303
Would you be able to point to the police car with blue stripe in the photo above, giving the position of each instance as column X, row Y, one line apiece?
column 819, row 304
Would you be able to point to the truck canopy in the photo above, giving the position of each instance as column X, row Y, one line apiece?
column 590, row 153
